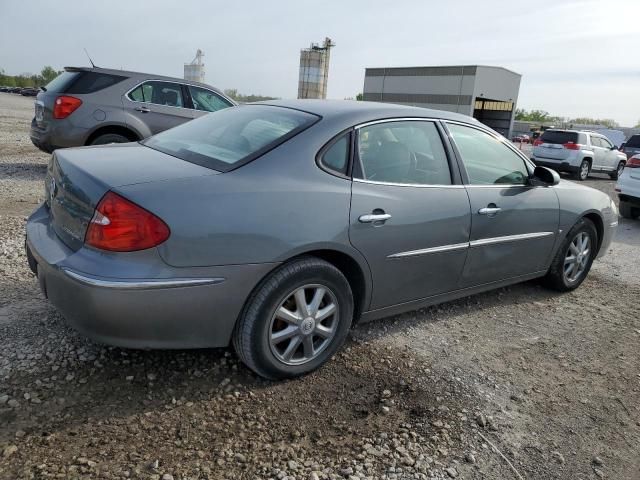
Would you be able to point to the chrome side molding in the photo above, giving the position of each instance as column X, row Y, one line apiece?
column 139, row 284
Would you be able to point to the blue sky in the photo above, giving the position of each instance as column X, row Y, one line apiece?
column 577, row 57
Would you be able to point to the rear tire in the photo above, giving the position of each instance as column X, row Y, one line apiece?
column 616, row 174
column 629, row 211
column 583, row 172
column 564, row 273
column 109, row 138
column 283, row 333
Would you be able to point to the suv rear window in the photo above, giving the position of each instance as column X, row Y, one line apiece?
column 634, row 141
column 62, row 81
column 559, row 137
column 90, row 82
column 231, row 137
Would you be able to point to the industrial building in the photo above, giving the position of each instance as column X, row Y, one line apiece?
column 314, row 70
column 487, row 93
column 194, row 70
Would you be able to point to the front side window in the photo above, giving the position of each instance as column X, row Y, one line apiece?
column 487, row 159
column 160, row 93
column 595, row 141
column 206, row 100
column 409, row 152
column 231, row 137
column 605, row 143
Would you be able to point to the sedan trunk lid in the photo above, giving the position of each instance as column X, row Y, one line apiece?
column 78, row 178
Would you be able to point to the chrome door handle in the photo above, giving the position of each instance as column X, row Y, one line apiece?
column 142, row 109
column 374, row 217
column 489, row 210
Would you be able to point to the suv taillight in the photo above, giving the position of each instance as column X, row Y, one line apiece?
column 120, row 225
column 537, row 142
column 65, row 106
column 571, row 146
column 633, row 162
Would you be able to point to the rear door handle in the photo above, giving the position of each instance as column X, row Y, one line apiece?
column 374, row 217
column 489, row 210
column 142, row 109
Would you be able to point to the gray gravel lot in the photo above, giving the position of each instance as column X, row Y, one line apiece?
column 517, row 383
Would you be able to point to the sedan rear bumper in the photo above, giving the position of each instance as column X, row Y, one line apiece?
column 149, row 305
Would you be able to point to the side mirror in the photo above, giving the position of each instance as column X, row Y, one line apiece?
column 622, row 146
column 544, row 177
column 614, row 148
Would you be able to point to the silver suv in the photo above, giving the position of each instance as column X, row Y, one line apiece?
column 578, row 152
column 94, row 106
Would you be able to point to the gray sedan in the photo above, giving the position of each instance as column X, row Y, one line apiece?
column 277, row 226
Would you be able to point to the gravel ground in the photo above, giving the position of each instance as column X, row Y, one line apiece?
column 517, row 383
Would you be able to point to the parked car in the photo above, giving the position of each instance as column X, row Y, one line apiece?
column 628, row 188
column 276, row 226
column 15, row 89
column 4, row 89
column 578, row 152
column 29, row 92
column 95, row 106
column 521, row 138
column 632, row 146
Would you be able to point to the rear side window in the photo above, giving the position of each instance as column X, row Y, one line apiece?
column 231, row 137
column 634, row 141
column 409, row 152
column 559, row 137
column 90, row 82
column 206, row 100
column 336, row 157
column 160, row 93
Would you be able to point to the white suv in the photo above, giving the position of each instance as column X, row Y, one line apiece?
column 578, row 152
column 628, row 188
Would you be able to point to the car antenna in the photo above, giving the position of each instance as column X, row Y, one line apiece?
column 92, row 64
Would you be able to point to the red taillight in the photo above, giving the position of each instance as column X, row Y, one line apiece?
column 633, row 162
column 571, row 146
column 120, row 225
column 65, row 106
column 537, row 142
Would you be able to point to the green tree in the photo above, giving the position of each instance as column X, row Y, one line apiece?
column 637, row 125
column 607, row 122
column 239, row 97
column 47, row 74
column 534, row 115
column 360, row 97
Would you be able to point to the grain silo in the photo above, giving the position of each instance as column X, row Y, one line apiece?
column 194, row 71
column 314, row 70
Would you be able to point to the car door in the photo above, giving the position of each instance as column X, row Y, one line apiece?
column 409, row 215
column 158, row 104
column 514, row 224
column 205, row 101
column 609, row 155
column 598, row 153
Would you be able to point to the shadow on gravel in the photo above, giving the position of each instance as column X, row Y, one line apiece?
column 22, row 171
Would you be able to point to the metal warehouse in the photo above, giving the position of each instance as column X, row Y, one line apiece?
column 486, row 93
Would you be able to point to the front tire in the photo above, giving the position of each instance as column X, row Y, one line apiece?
column 583, row 171
column 296, row 319
column 574, row 258
column 618, row 172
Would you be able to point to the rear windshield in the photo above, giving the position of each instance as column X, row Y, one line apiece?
column 82, row 82
column 634, row 141
column 229, row 138
column 559, row 137
column 60, row 83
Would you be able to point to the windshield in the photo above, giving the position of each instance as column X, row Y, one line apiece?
column 228, row 138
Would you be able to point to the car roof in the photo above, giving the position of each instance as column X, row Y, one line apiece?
column 141, row 76
column 360, row 111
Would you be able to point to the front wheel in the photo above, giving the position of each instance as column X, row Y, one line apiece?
column 296, row 320
column 583, row 171
column 615, row 175
column 573, row 259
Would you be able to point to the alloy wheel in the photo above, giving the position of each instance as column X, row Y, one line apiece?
column 584, row 170
column 620, row 168
column 577, row 257
column 304, row 324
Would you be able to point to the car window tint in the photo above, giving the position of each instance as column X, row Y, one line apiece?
column 634, row 141
column 605, row 143
column 408, row 152
column 595, row 141
column 90, row 82
column 160, row 93
column 487, row 159
column 559, row 137
column 206, row 100
column 61, row 82
column 231, row 137
column 336, row 157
